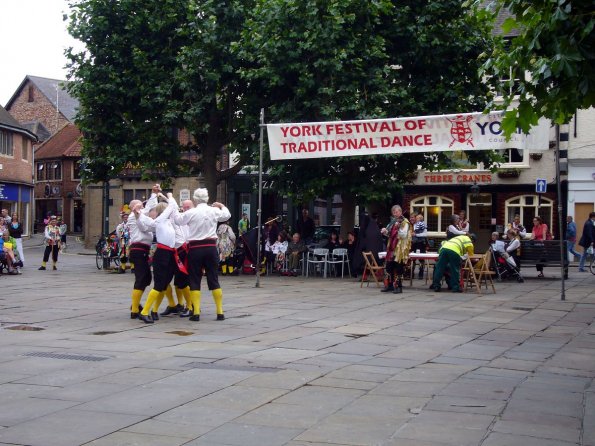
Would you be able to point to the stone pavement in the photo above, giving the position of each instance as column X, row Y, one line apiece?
column 297, row 362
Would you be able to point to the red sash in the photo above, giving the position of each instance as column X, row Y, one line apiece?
column 179, row 263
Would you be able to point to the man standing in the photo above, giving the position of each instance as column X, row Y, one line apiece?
column 140, row 245
column 571, row 237
column 450, row 256
column 305, row 227
column 202, row 244
column 6, row 217
column 243, row 225
column 587, row 240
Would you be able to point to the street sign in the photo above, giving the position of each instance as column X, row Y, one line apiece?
column 541, row 186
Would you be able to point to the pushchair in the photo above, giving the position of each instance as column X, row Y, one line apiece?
column 504, row 264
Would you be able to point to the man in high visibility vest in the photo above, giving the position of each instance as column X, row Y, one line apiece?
column 450, row 256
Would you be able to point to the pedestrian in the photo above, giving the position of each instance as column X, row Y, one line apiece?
column 63, row 228
column 15, row 228
column 398, row 232
column 571, row 237
column 243, row 225
column 449, row 256
column 52, row 240
column 587, row 240
column 202, row 244
column 226, row 242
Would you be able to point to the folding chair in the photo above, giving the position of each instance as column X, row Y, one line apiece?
column 339, row 256
column 371, row 269
column 478, row 273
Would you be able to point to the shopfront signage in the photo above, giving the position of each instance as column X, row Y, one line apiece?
column 457, row 178
column 9, row 192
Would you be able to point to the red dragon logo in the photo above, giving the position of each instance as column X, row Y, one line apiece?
column 460, row 130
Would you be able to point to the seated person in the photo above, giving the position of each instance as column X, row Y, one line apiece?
column 7, row 245
column 333, row 242
column 513, row 248
column 294, row 252
column 278, row 249
column 453, row 229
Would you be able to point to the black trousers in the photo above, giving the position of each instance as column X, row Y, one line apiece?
column 139, row 256
column 164, row 268
column 54, row 249
column 394, row 270
column 203, row 254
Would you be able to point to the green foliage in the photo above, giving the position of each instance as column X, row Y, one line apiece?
column 552, row 57
column 355, row 59
column 151, row 67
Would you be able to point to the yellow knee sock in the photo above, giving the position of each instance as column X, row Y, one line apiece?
column 230, row 269
column 187, row 296
column 179, row 295
column 218, row 298
column 170, row 296
column 224, row 269
column 195, row 298
column 136, row 296
column 151, row 298
column 158, row 302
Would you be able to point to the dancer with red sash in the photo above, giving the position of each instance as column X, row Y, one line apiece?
column 140, row 245
column 164, row 259
column 202, row 244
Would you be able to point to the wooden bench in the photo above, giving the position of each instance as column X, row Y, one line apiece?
column 546, row 253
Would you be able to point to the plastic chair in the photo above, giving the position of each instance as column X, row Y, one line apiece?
column 339, row 256
column 317, row 257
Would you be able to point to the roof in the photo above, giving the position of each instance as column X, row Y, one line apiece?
column 54, row 90
column 66, row 142
column 9, row 123
column 39, row 129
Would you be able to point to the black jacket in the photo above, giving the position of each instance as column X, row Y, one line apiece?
column 588, row 236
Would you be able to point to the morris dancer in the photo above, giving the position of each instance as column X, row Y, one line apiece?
column 397, row 251
column 202, row 243
column 52, row 243
column 140, row 244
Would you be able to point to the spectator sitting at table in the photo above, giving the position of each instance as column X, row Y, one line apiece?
column 453, row 230
column 278, row 249
column 450, row 255
column 294, row 252
column 333, row 241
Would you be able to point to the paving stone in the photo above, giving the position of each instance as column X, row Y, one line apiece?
column 409, row 388
column 484, row 406
column 138, row 439
column 246, row 435
column 188, row 430
column 500, row 439
column 561, row 433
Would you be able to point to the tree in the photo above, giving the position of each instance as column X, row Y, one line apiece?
column 150, row 68
column 551, row 56
column 320, row 60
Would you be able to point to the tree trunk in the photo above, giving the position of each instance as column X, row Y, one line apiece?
column 347, row 213
column 209, row 171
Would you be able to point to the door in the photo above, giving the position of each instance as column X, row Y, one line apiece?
column 581, row 214
column 480, row 220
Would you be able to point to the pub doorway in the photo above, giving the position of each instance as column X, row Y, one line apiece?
column 480, row 220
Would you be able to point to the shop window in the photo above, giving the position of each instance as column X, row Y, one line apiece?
column 40, row 169
column 528, row 206
column 6, row 147
column 436, row 209
column 56, row 167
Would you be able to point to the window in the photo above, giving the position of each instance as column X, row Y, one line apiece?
column 39, row 168
column 513, row 156
column 6, row 147
column 30, row 94
column 436, row 209
column 76, row 170
column 56, row 167
column 137, row 194
column 25, row 148
column 528, row 206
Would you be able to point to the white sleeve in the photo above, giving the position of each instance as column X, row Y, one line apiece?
column 144, row 223
column 223, row 214
column 150, row 205
column 454, row 230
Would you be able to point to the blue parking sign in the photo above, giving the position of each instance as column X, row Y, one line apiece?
column 541, row 186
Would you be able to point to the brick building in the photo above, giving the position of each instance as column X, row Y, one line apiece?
column 16, row 168
column 58, row 188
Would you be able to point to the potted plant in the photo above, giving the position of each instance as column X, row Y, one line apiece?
column 509, row 173
column 536, row 156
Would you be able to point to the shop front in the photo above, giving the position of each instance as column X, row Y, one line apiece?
column 17, row 198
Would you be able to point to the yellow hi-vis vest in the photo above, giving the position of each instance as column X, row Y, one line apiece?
column 460, row 244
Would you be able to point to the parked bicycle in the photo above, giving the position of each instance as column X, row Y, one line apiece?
column 107, row 251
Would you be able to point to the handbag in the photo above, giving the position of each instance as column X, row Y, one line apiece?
column 590, row 250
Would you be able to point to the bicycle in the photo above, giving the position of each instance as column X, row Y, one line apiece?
column 107, row 252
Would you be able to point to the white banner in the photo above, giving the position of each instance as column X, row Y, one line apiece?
column 467, row 131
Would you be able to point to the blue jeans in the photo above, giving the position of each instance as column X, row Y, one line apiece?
column 581, row 264
column 571, row 250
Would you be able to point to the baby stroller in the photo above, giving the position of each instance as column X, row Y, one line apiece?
column 504, row 264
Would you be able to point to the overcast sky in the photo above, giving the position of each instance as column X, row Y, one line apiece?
column 33, row 38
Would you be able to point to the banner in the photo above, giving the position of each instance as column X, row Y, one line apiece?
column 467, row 131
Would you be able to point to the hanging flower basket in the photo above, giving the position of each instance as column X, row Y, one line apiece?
column 509, row 173
column 536, row 156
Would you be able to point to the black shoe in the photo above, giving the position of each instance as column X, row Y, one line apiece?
column 398, row 290
column 387, row 289
column 220, row 317
column 180, row 308
column 186, row 313
column 121, row 271
column 195, row 318
column 41, row 268
column 134, row 315
column 54, row 268
column 155, row 315
column 146, row 319
column 132, row 270
column 169, row 310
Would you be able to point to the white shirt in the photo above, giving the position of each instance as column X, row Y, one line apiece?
column 453, row 229
column 202, row 220
column 136, row 234
column 162, row 225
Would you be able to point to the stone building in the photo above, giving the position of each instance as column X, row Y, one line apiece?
column 16, row 168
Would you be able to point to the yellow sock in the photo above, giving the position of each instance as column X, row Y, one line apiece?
column 158, row 302
column 187, row 297
column 195, row 298
column 230, row 269
column 224, row 269
column 136, row 296
column 151, row 298
column 43, row 264
column 170, row 296
column 218, row 298
column 179, row 295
